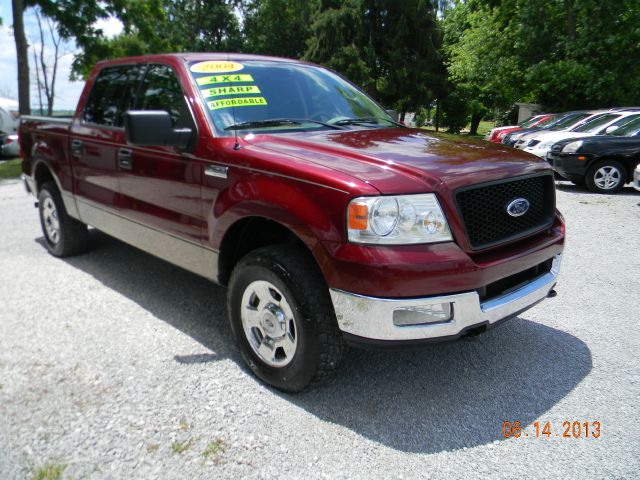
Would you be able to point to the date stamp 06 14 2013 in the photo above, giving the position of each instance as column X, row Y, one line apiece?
column 569, row 429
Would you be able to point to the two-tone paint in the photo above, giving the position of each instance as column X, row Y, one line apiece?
column 165, row 202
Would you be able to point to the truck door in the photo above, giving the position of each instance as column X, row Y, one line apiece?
column 97, row 137
column 159, row 186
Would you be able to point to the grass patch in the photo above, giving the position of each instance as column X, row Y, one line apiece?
column 184, row 425
column 10, row 168
column 181, row 447
column 49, row 471
column 153, row 448
column 214, row 450
column 484, row 127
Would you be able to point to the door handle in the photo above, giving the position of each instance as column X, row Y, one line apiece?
column 76, row 148
column 125, row 159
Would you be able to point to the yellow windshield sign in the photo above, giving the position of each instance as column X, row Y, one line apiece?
column 237, row 102
column 216, row 66
column 233, row 90
column 224, row 79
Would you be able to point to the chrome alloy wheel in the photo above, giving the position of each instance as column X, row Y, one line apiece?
column 269, row 324
column 50, row 220
column 607, row 177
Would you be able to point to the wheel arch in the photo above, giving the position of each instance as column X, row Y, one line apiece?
column 42, row 173
column 253, row 232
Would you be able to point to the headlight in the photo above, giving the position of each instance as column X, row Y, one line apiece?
column 572, row 147
column 397, row 220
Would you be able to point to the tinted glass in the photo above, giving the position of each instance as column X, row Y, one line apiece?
column 629, row 127
column 548, row 122
column 530, row 121
column 112, row 95
column 161, row 90
column 254, row 91
column 594, row 125
column 569, row 121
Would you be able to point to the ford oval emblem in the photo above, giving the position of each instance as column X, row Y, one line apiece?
column 518, row 207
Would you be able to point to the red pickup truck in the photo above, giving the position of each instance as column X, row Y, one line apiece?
column 330, row 223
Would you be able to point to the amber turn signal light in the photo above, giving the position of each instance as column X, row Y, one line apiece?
column 357, row 216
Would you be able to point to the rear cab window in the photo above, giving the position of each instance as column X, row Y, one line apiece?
column 112, row 94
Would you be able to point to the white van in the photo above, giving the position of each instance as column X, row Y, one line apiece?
column 9, row 116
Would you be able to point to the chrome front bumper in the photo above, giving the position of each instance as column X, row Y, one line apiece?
column 372, row 318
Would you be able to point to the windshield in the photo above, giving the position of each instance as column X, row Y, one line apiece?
column 630, row 128
column 568, row 121
column 548, row 121
column 282, row 96
column 594, row 125
column 530, row 121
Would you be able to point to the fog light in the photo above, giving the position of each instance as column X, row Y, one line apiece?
column 425, row 314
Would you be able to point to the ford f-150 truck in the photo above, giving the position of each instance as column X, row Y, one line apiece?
column 329, row 223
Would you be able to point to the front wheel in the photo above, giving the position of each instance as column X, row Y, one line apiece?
column 607, row 176
column 283, row 319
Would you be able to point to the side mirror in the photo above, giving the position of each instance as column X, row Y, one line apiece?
column 610, row 128
column 152, row 128
column 393, row 114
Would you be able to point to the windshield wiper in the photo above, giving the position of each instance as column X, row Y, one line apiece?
column 275, row 122
column 364, row 121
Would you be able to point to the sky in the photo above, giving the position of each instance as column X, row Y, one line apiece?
column 67, row 92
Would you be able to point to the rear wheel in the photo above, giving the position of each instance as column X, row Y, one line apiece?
column 606, row 176
column 64, row 235
column 283, row 319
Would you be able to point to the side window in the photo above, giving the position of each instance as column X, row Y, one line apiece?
column 161, row 90
column 113, row 93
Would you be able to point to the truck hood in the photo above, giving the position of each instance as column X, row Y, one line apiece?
column 404, row 160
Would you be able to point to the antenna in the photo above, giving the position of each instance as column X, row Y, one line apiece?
column 236, row 145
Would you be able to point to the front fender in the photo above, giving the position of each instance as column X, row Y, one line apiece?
column 313, row 212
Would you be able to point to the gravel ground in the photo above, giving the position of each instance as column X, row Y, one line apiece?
column 115, row 364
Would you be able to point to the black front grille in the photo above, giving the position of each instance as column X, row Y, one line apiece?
column 483, row 209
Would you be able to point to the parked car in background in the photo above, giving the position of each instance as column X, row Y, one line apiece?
column 9, row 116
column 559, row 122
column 529, row 138
column 497, row 134
column 603, row 162
column 10, row 147
column 597, row 125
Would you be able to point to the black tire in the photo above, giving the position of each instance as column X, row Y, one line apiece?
column 594, row 179
column 72, row 236
column 294, row 273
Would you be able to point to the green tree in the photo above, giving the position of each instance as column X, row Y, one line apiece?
column 389, row 48
column 277, row 27
column 564, row 54
column 159, row 26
